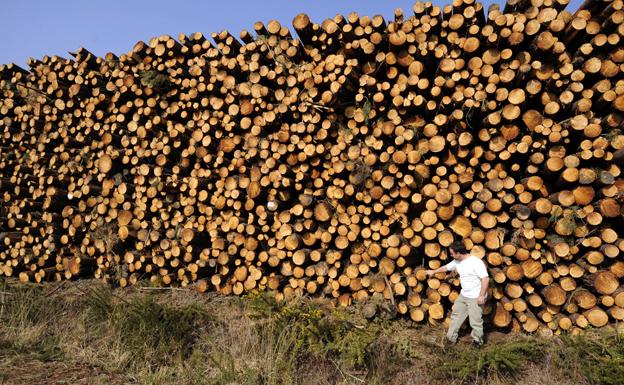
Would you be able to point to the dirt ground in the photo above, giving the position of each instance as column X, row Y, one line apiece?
column 34, row 372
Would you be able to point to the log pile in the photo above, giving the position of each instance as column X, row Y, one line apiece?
column 338, row 163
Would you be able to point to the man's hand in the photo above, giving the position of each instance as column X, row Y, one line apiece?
column 436, row 271
column 485, row 283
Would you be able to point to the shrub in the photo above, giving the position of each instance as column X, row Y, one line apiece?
column 598, row 356
column 505, row 358
column 143, row 327
column 321, row 332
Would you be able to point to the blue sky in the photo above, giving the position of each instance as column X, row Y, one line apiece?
column 33, row 28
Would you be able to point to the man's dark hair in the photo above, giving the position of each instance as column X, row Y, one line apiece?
column 458, row 247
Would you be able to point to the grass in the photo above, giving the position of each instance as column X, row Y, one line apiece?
column 43, row 348
column 179, row 337
column 25, row 320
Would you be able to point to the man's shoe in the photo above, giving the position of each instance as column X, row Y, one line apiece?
column 476, row 344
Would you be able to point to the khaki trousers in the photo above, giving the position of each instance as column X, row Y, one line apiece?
column 466, row 308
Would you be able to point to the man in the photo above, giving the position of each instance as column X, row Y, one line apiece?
column 474, row 281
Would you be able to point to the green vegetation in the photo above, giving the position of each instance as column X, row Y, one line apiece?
column 156, row 80
column 506, row 359
column 147, row 336
column 24, row 319
column 599, row 357
column 146, row 329
column 320, row 332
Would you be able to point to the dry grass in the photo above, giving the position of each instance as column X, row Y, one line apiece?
column 87, row 333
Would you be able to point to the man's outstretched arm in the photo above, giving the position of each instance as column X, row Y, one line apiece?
column 436, row 271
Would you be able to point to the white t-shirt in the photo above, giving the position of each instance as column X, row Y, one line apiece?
column 470, row 270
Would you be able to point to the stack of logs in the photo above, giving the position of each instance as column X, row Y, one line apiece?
column 341, row 163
